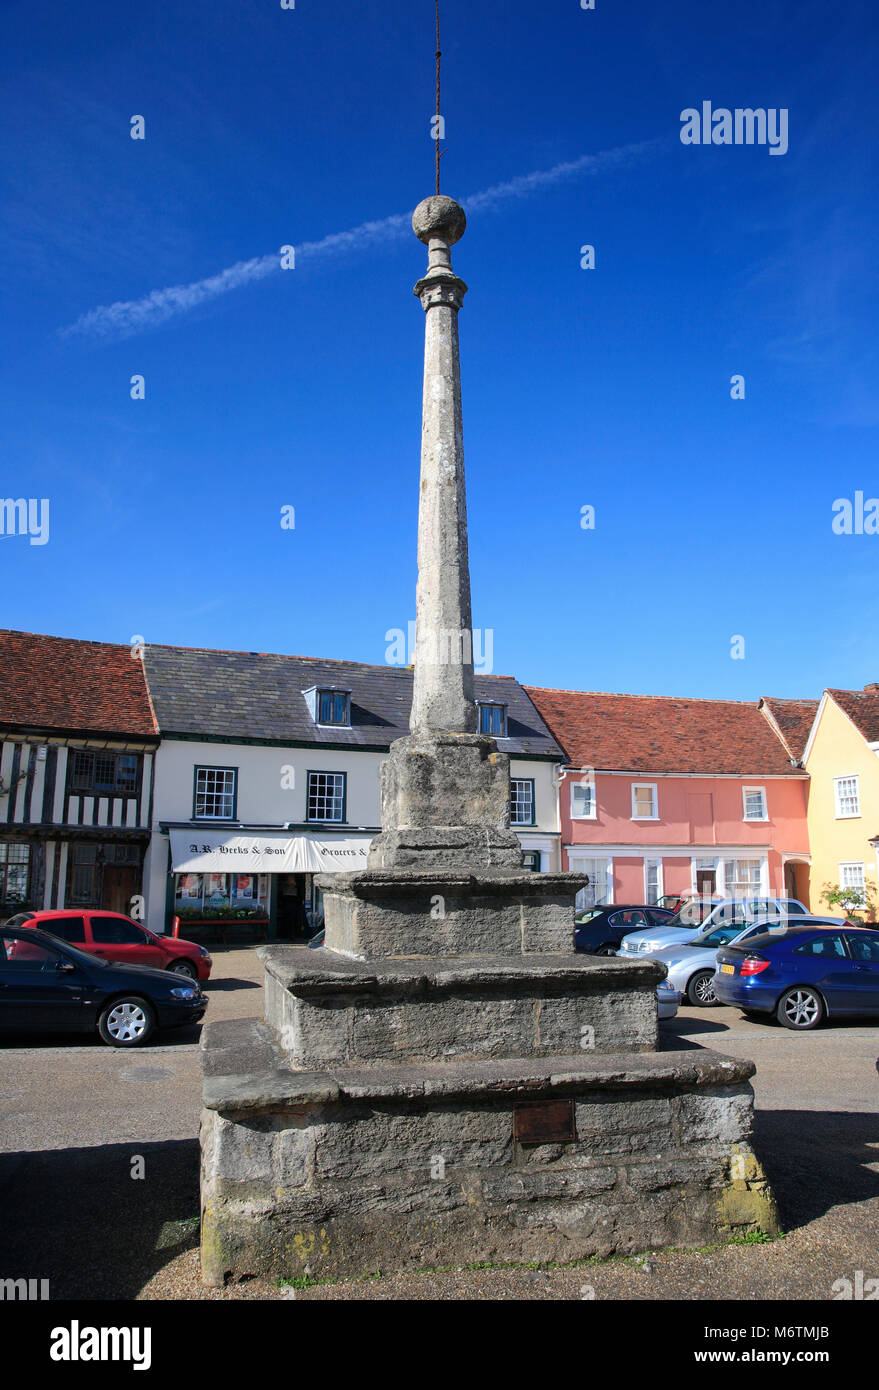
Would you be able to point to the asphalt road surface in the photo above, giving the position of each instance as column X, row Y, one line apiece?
column 99, row 1161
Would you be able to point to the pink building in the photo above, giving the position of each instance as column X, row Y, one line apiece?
column 664, row 796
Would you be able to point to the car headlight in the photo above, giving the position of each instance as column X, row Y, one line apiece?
column 183, row 993
column 203, row 950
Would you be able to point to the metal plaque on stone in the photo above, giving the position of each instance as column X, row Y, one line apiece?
column 544, row 1122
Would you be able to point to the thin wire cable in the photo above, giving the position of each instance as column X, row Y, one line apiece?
column 439, row 118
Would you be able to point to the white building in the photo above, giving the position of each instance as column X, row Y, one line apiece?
column 269, row 771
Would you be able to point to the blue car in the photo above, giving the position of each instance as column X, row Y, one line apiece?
column 802, row 974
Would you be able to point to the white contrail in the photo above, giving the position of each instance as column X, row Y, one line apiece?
column 129, row 316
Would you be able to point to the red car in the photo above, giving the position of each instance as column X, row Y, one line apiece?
column 118, row 938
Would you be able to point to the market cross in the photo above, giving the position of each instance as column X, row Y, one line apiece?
column 419, row 1092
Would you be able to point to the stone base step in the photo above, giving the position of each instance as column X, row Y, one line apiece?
column 327, row 1008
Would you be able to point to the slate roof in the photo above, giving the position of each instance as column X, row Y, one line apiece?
column 655, row 733
column 862, row 708
column 255, row 695
column 58, row 684
column 794, row 719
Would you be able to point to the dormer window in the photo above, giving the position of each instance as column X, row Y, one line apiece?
column 493, row 720
column 333, row 707
column 329, row 705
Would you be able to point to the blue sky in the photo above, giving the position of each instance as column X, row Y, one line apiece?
column 607, row 387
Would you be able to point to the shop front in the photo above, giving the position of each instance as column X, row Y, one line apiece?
column 263, row 878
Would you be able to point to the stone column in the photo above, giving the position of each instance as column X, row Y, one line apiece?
column 442, row 699
column 445, row 787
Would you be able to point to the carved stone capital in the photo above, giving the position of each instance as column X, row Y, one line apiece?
column 440, row 287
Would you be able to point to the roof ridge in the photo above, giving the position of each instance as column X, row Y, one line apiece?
column 627, row 695
column 317, row 660
column 52, row 637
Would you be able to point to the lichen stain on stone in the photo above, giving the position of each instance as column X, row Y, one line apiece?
column 747, row 1200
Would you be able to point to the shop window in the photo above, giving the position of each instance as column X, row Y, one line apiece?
column 599, row 885
column 743, row 877
column 652, row 881
column 206, row 892
column 14, row 869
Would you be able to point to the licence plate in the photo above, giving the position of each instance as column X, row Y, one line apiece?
column 727, row 970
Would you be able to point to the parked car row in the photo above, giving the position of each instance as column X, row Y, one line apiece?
column 765, row 955
column 48, row 985
column 86, row 971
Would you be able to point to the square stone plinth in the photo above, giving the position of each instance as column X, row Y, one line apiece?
column 349, row 1170
column 328, row 1009
column 379, row 914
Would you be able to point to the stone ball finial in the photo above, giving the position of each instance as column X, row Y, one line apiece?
column 439, row 217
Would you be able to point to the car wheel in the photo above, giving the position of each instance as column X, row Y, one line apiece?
column 608, row 949
column 700, row 989
column 800, row 1008
column 183, row 967
column 127, row 1022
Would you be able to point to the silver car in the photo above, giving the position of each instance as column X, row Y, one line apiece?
column 729, row 912
column 668, row 999
column 692, row 965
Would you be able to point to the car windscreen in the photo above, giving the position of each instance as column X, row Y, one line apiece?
column 19, row 920
column 718, row 936
column 762, row 940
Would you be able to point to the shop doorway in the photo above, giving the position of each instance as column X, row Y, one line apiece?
column 706, row 882
column 292, row 919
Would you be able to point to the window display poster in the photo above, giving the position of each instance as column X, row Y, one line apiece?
column 244, row 886
column 215, row 890
column 189, row 886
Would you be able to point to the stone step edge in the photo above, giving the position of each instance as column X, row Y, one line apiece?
column 449, row 974
column 378, row 883
column 281, row 1088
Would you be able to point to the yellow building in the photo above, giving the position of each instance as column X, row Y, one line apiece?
column 842, row 760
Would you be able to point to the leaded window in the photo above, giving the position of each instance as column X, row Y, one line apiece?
column 14, row 867
column 103, row 773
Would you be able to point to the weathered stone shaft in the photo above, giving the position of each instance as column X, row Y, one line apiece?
column 443, row 688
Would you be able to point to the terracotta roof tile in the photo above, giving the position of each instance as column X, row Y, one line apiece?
column 862, row 708
column 56, row 683
column 657, row 733
column 794, row 719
